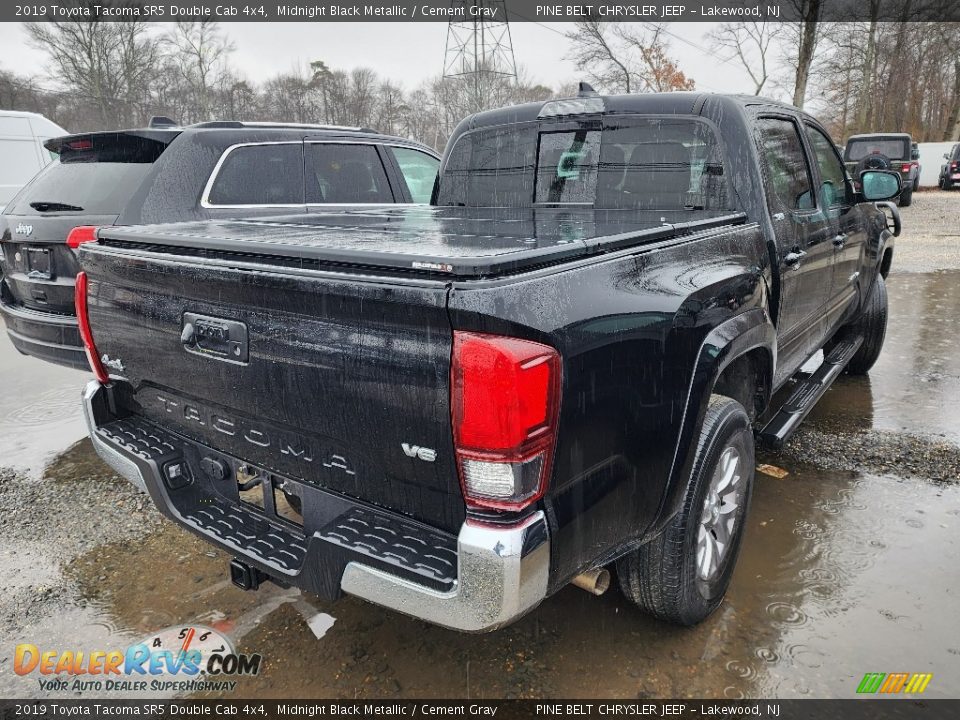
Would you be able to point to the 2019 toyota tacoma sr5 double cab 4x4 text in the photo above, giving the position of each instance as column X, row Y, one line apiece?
column 455, row 410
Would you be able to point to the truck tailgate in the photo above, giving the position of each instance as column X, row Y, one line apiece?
column 329, row 378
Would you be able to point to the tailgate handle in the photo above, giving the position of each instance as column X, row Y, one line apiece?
column 215, row 338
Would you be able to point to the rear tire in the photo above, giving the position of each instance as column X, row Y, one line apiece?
column 682, row 574
column 906, row 198
column 872, row 323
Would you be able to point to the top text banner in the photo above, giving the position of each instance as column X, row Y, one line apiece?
column 490, row 10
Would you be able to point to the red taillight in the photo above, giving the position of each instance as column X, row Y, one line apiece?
column 505, row 398
column 80, row 235
column 953, row 166
column 83, row 322
column 906, row 167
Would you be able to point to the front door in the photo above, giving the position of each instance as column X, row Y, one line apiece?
column 804, row 249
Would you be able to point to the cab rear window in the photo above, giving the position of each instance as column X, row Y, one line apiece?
column 627, row 163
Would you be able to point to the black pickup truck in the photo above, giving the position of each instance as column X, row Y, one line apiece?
column 456, row 410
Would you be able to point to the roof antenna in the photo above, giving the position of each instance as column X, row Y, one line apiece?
column 586, row 90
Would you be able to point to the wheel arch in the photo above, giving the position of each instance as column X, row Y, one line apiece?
column 736, row 354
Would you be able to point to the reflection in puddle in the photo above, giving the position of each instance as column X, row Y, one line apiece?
column 916, row 382
column 40, row 411
column 836, row 578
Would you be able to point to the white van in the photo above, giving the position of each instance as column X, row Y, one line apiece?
column 22, row 154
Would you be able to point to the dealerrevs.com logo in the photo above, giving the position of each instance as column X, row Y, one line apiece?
column 175, row 659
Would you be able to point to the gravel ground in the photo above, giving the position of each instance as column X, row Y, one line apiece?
column 77, row 506
column 896, row 453
column 931, row 233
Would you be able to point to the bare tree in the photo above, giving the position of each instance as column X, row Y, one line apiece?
column 802, row 41
column 595, row 53
column 109, row 64
column 201, row 53
column 626, row 57
column 748, row 43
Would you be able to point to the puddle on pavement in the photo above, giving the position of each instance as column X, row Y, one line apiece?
column 40, row 412
column 840, row 575
column 915, row 385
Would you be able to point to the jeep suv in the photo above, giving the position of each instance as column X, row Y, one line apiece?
column 163, row 174
column 884, row 151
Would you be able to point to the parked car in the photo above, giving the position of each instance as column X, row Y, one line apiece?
column 455, row 411
column 165, row 173
column 950, row 170
column 885, row 151
column 22, row 135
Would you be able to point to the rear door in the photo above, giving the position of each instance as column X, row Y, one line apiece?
column 256, row 178
column 347, row 173
column 90, row 184
column 846, row 219
column 803, row 236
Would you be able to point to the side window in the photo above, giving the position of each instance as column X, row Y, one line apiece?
column 419, row 171
column 832, row 175
column 270, row 174
column 786, row 164
column 345, row 173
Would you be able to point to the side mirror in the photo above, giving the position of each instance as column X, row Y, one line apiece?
column 879, row 184
column 914, row 154
column 946, row 156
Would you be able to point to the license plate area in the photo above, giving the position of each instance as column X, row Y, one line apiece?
column 216, row 338
column 38, row 263
column 272, row 496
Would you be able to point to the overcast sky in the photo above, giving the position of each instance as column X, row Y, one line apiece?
column 407, row 52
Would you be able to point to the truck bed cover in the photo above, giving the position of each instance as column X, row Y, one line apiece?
column 451, row 241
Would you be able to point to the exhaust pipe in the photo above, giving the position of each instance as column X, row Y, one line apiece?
column 595, row 582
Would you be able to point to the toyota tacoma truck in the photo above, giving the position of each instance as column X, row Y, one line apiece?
column 559, row 366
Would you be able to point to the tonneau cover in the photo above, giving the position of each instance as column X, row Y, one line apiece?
column 452, row 241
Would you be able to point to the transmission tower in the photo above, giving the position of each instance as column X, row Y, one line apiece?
column 479, row 50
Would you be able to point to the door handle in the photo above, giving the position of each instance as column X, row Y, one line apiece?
column 792, row 259
column 840, row 240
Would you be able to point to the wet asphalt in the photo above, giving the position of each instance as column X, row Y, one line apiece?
column 850, row 562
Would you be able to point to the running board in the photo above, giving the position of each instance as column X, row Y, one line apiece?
column 807, row 393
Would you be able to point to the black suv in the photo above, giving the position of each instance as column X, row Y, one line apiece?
column 884, row 151
column 950, row 170
column 164, row 174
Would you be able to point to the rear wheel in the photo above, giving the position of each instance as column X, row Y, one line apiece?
column 682, row 574
column 906, row 198
column 872, row 324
